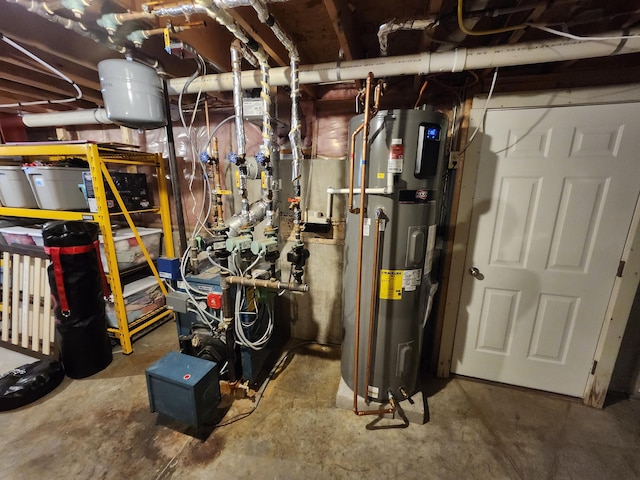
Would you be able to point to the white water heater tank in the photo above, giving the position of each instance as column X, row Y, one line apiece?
column 133, row 94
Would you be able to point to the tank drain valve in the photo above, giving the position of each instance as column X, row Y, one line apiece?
column 392, row 400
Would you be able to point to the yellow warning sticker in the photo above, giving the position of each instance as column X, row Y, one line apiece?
column 237, row 179
column 224, row 192
column 380, row 176
column 391, row 284
column 263, row 178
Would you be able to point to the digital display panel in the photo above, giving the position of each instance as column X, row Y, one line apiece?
column 433, row 133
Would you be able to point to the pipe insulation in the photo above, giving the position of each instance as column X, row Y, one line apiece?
column 237, row 97
column 555, row 50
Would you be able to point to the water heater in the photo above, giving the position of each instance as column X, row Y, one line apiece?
column 405, row 170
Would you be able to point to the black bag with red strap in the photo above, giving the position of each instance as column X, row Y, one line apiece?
column 78, row 287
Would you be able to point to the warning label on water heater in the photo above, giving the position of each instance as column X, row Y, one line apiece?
column 411, row 279
column 396, row 156
column 391, row 284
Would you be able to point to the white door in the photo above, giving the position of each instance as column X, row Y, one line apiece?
column 555, row 193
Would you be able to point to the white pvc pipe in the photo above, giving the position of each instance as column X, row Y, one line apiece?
column 555, row 50
column 454, row 61
column 61, row 119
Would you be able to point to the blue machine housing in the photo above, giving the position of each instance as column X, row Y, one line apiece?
column 184, row 387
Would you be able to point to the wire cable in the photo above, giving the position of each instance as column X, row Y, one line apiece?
column 272, row 373
column 484, row 112
column 479, row 33
column 578, row 37
column 48, row 67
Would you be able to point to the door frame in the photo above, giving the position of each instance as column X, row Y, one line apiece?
column 625, row 286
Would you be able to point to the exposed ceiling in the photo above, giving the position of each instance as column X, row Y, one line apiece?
column 323, row 30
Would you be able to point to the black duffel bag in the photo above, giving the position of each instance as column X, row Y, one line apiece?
column 79, row 288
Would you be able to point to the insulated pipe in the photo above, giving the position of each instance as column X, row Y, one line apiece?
column 111, row 21
column 200, row 6
column 273, row 284
column 265, row 96
column 294, row 133
column 40, row 8
column 555, row 50
column 388, row 28
column 257, row 211
column 238, row 108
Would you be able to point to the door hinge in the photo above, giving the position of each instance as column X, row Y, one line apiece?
column 620, row 268
column 594, row 366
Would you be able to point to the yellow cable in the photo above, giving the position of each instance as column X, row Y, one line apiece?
column 483, row 32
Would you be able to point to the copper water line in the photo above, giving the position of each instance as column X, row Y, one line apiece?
column 352, row 167
column 363, row 179
column 374, row 299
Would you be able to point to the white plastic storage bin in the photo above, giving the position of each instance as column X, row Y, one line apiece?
column 57, row 188
column 14, row 188
column 22, row 236
column 140, row 298
column 128, row 252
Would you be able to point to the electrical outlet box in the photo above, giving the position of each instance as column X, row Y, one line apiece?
column 177, row 301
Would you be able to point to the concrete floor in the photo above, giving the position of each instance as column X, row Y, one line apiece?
column 101, row 428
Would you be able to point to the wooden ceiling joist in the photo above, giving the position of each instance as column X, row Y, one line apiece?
column 342, row 21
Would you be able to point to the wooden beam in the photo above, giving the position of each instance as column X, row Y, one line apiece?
column 343, row 25
column 32, row 67
column 26, row 94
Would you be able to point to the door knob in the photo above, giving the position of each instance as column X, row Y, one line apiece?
column 475, row 273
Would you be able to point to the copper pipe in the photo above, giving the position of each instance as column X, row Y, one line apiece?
column 352, row 167
column 374, row 301
column 273, row 284
column 363, row 180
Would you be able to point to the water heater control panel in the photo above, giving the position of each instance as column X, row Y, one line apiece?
column 428, row 153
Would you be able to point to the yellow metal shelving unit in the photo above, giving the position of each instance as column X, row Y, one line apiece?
column 98, row 157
